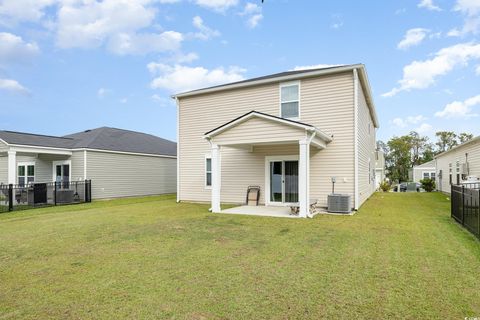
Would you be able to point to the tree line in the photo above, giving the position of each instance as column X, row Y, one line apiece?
column 404, row 152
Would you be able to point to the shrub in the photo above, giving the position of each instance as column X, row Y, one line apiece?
column 385, row 186
column 428, row 184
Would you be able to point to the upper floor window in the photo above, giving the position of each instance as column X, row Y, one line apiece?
column 290, row 100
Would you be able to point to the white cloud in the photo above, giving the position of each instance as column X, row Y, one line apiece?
column 217, row 5
column 185, row 58
column 251, row 8
column 471, row 10
column 254, row 20
column 459, row 109
column 125, row 43
column 205, row 32
column 424, row 128
column 413, row 37
column 402, row 123
column 13, row 86
column 114, row 23
column 13, row 49
column 254, row 15
column 179, row 78
column 123, row 100
column 429, row 5
column 13, row 11
column 399, row 122
column 316, row 66
column 422, row 74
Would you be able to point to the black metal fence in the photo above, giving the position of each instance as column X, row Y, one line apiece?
column 20, row 197
column 465, row 200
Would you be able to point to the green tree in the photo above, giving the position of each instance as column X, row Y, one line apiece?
column 398, row 159
column 418, row 145
column 429, row 153
column 446, row 140
column 464, row 137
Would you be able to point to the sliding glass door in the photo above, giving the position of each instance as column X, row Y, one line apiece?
column 284, row 181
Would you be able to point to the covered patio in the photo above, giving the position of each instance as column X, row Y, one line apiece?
column 287, row 177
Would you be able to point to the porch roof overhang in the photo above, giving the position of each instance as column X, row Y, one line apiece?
column 260, row 128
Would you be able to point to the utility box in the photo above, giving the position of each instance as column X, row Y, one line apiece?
column 339, row 203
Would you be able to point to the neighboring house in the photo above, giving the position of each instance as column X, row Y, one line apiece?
column 457, row 164
column 119, row 162
column 379, row 168
column 424, row 171
column 288, row 133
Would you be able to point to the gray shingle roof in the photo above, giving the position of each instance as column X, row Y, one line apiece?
column 32, row 139
column 113, row 139
column 103, row 138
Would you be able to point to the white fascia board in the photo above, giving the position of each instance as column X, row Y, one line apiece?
column 39, row 149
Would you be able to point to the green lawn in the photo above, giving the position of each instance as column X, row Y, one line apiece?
column 400, row 256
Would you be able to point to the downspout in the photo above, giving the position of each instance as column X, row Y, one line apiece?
column 178, row 148
column 309, row 140
column 355, row 117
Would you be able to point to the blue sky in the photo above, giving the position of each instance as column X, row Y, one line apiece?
column 70, row 65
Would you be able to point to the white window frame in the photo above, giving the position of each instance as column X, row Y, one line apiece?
column 207, row 156
column 289, row 84
column 26, row 164
column 61, row 162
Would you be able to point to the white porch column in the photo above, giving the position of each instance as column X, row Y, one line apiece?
column 216, row 178
column 12, row 167
column 303, row 169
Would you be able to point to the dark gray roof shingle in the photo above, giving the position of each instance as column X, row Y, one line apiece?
column 113, row 139
column 104, row 138
column 32, row 139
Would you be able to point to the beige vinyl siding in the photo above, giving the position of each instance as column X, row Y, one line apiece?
column 257, row 130
column 122, row 175
column 366, row 150
column 325, row 102
column 77, row 165
column 241, row 168
column 473, row 150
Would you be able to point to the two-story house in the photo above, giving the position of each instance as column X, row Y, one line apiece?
column 289, row 133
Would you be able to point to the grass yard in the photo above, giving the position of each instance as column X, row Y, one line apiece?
column 401, row 256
